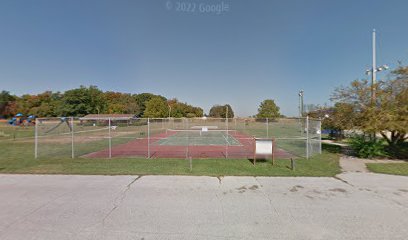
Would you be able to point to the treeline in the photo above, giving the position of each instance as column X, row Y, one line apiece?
column 91, row 100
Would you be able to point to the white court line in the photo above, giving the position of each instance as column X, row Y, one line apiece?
column 229, row 144
column 165, row 141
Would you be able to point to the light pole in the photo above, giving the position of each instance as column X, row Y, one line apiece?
column 300, row 103
column 374, row 69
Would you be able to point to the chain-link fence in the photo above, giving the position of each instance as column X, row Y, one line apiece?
column 173, row 137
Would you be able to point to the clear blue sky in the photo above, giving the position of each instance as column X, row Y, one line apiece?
column 253, row 51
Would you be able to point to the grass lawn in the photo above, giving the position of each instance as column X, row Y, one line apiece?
column 389, row 168
column 17, row 157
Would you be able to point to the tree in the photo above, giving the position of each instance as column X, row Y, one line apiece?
column 387, row 115
column 45, row 104
column 268, row 109
column 179, row 109
column 82, row 101
column 143, row 98
column 156, row 108
column 220, row 111
column 338, row 118
column 6, row 100
column 121, row 103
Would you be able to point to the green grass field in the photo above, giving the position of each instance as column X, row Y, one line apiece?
column 389, row 168
column 18, row 157
column 17, row 154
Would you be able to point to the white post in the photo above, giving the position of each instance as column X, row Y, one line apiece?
column 226, row 145
column 72, row 138
column 148, row 137
column 267, row 128
column 374, row 70
column 110, row 140
column 307, row 137
column 320, row 136
column 36, row 139
column 188, row 138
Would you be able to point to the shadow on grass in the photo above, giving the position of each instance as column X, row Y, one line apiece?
column 399, row 151
column 331, row 148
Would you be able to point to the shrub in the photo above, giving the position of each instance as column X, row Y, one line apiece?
column 368, row 148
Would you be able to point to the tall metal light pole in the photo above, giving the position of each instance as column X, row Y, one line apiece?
column 374, row 69
column 373, row 74
column 301, row 103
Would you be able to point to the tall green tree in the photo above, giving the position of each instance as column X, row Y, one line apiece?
column 179, row 109
column 268, row 109
column 220, row 111
column 143, row 98
column 82, row 101
column 156, row 108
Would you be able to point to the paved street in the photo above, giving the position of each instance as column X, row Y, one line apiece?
column 352, row 206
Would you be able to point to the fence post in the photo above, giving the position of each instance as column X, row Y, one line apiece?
column 320, row 135
column 267, row 128
column 307, row 137
column 148, row 137
column 110, row 139
column 72, row 138
column 36, row 139
column 186, row 124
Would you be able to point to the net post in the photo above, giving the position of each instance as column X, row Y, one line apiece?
column 307, row 137
column 72, row 138
column 110, row 139
column 148, row 137
column 36, row 139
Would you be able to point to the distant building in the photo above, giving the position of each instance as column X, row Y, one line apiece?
column 108, row 116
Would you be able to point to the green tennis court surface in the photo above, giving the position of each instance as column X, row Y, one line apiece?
column 198, row 138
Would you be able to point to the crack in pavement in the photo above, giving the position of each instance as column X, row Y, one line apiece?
column 266, row 196
column 121, row 197
column 342, row 180
column 219, row 200
column 219, row 179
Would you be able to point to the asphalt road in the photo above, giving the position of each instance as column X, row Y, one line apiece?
column 353, row 206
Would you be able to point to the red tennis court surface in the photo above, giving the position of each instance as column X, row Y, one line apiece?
column 140, row 148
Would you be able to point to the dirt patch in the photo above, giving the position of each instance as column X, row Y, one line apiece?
column 310, row 197
column 253, row 187
column 295, row 188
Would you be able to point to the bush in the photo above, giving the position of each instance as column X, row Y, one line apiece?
column 399, row 151
column 368, row 148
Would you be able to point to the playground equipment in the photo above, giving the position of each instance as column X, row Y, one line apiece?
column 20, row 120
